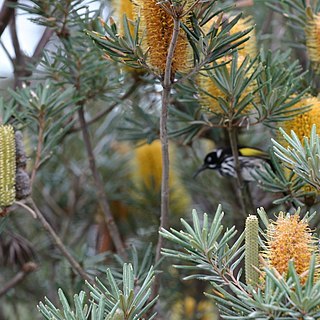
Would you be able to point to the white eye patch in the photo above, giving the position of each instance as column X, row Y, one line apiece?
column 211, row 165
column 209, row 159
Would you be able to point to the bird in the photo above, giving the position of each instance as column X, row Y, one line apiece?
column 221, row 159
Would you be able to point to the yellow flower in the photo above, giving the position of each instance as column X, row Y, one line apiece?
column 248, row 48
column 302, row 123
column 289, row 238
column 124, row 7
column 159, row 27
column 189, row 308
column 7, row 166
column 148, row 172
column 210, row 91
column 313, row 40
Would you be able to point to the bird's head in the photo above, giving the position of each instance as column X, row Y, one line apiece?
column 211, row 161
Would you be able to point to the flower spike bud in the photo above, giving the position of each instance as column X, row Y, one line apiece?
column 252, row 249
column 7, row 165
column 313, row 40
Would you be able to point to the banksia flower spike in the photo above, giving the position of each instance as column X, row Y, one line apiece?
column 7, row 166
column 313, row 40
column 124, row 7
column 159, row 27
column 290, row 239
column 248, row 48
column 210, row 90
column 302, row 123
column 147, row 175
column 252, row 250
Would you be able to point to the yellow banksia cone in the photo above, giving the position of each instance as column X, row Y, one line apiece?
column 252, row 250
column 159, row 27
column 124, row 7
column 313, row 41
column 7, row 166
column 210, row 91
column 248, row 48
column 148, row 171
column 290, row 239
column 302, row 123
column 189, row 308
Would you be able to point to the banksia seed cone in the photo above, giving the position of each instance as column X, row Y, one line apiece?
column 290, row 239
column 7, row 165
column 159, row 27
column 252, row 250
column 313, row 41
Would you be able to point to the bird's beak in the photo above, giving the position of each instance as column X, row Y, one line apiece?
column 203, row 167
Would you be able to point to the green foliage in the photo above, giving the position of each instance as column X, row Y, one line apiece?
column 108, row 302
column 203, row 247
column 301, row 157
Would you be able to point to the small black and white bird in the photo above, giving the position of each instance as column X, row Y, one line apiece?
column 222, row 160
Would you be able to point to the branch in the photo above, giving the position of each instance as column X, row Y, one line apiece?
column 105, row 112
column 26, row 269
column 47, row 34
column 102, row 199
column 244, row 193
column 59, row 244
column 41, row 123
column 6, row 14
column 167, row 85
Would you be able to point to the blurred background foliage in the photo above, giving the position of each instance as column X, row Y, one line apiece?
column 121, row 105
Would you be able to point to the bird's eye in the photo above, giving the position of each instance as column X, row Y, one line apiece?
column 209, row 159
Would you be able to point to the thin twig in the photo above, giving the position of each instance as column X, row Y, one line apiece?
column 102, row 199
column 167, row 85
column 59, row 244
column 30, row 210
column 41, row 123
column 105, row 112
column 26, row 269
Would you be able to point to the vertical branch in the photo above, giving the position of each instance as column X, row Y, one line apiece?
column 102, row 199
column 166, row 85
column 244, row 195
column 41, row 122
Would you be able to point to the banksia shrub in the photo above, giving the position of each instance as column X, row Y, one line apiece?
column 252, row 249
column 7, row 165
column 289, row 238
column 313, row 41
column 159, row 27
